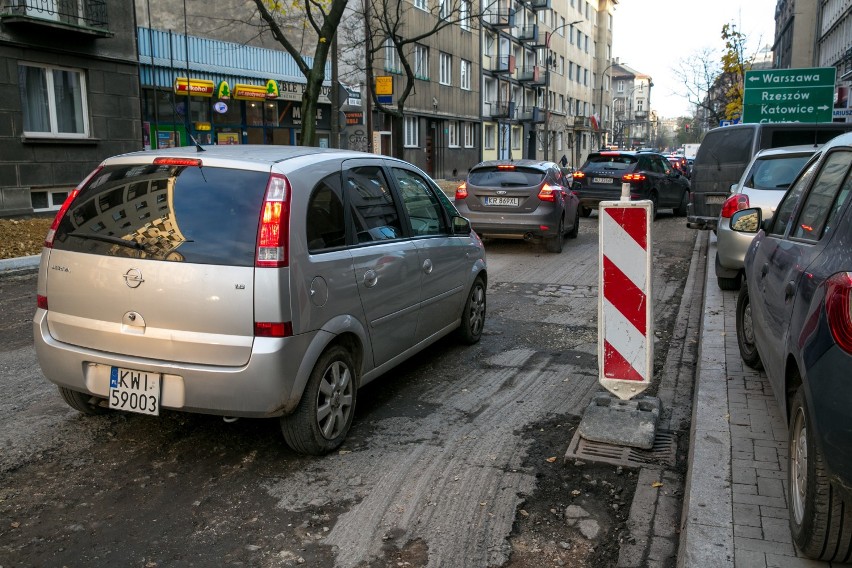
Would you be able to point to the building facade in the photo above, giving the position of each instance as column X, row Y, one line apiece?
column 70, row 74
column 631, row 105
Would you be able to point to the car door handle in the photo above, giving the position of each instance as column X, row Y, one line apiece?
column 427, row 266
column 370, row 278
column 789, row 290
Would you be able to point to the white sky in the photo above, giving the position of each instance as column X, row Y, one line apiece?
column 652, row 36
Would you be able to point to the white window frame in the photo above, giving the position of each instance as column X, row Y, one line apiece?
column 453, row 134
column 422, row 4
column 469, row 134
column 391, row 57
column 446, row 68
column 465, row 71
column 517, row 133
column 446, row 7
column 464, row 14
column 411, row 132
column 489, row 137
column 421, row 62
column 54, row 132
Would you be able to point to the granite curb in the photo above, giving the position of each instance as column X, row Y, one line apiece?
column 20, row 263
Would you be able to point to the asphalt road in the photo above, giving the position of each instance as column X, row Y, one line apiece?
column 447, row 463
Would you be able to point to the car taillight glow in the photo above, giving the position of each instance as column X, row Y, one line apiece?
column 51, row 233
column 578, row 175
column 505, row 167
column 838, row 308
column 733, row 204
column 633, row 177
column 177, row 162
column 273, row 235
column 273, row 329
column 547, row 193
column 41, row 301
column 461, row 192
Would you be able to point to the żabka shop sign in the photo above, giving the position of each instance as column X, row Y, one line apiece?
column 196, row 87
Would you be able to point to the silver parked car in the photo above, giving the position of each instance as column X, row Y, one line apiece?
column 763, row 184
column 520, row 198
column 251, row 281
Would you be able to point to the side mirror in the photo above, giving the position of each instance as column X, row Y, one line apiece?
column 461, row 226
column 746, row 221
column 734, row 187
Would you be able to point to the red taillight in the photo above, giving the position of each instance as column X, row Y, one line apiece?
column 633, row 177
column 461, row 192
column 273, row 329
column 578, row 175
column 548, row 193
column 505, row 167
column 733, row 204
column 51, row 233
column 274, row 230
column 41, row 301
column 838, row 307
column 177, row 162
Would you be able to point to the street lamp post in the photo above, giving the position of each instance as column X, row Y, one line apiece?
column 600, row 100
column 547, row 85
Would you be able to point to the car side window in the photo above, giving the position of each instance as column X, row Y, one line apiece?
column 664, row 166
column 821, row 200
column 784, row 212
column 374, row 211
column 423, row 208
column 324, row 223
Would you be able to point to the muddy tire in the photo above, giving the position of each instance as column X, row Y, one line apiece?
column 745, row 331
column 473, row 315
column 82, row 402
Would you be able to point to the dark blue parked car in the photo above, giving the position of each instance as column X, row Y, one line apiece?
column 794, row 319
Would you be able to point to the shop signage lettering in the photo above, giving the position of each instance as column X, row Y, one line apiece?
column 353, row 118
column 244, row 92
column 297, row 114
column 197, row 87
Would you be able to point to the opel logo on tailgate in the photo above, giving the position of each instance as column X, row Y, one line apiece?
column 133, row 278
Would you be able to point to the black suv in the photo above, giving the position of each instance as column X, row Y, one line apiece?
column 649, row 174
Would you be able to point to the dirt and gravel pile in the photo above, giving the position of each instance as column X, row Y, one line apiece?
column 22, row 237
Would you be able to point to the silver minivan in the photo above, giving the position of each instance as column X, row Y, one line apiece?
column 251, row 281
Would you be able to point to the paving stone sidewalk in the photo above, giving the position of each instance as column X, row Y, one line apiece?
column 735, row 508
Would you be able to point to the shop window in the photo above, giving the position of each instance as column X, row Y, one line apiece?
column 254, row 114
column 270, row 113
column 53, row 101
column 232, row 114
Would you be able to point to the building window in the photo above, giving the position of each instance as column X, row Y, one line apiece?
column 421, row 62
column 466, row 72
column 391, row 57
column 446, row 72
column 558, row 141
column 446, row 8
column 464, row 14
column 453, row 134
column 488, row 137
column 517, row 132
column 48, row 200
column 640, row 104
column 469, row 136
column 422, row 4
column 53, row 101
column 411, row 136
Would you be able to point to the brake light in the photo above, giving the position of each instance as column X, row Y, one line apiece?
column 608, row 154
column 838, row 308
column 41, row 301
column 51, row 233
column 461, row 191
column 548, row 193
column 633, row 177
column 273, row 329
column 578, row 175
column 177, row 162
column 273, row 235
column 505, row 167
column 733, row 204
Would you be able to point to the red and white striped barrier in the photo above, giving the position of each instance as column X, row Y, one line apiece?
column 625, row 314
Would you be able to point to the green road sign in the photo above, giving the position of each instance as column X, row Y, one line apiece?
column 789, row 95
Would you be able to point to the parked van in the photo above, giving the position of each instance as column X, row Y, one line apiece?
column 726, row 151
column 251, row 281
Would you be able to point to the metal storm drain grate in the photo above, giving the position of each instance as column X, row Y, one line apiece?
column 661, row 454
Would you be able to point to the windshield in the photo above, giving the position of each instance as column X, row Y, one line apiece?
column 776, row 172
column 610, row 162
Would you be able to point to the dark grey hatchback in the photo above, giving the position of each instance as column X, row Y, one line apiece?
column 649, row 174
column 794, row 319
column 520, row 198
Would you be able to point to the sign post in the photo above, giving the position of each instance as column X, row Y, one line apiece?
column 789, row 95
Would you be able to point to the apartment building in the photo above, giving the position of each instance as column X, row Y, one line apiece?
column 69, row 70
column 631, row 107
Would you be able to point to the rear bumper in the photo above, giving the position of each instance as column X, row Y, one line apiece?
column 694, row 221
column 731, row 246
column 528, row 225
column 263, row 387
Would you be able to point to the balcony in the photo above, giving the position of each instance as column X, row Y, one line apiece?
column 531, row 114
column 499, row 18
column 87, row 17
column 582, row 122
column 528, row 33
column 533, row 75
column 539, row 4
column 502, row 64
column 640, row 114
column 500, row 109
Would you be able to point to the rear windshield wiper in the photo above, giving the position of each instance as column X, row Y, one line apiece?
column 108, row 239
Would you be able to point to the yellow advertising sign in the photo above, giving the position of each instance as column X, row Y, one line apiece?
column 223, row 91
column 197, row 87
column 242, row 92
column 384, row 85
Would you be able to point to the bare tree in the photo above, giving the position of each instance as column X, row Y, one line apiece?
column 322, row 17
